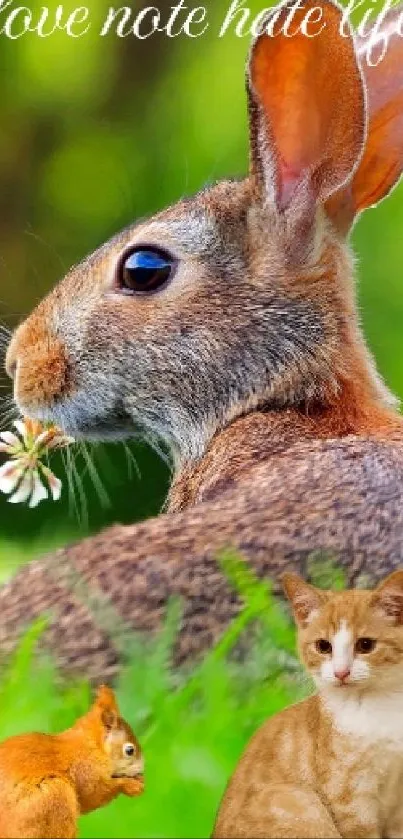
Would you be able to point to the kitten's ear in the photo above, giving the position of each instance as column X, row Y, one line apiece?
column 306, row 600
column 388, row 598
column 105, row 702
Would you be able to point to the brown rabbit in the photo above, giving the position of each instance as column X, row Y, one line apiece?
column 227, row 327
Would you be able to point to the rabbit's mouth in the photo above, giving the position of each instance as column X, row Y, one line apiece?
column 47, row 388
column 79, row 417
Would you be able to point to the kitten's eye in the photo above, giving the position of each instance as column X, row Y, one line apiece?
column 144, row 271
column 365, row 645
column 324, row 647
column 128, row 749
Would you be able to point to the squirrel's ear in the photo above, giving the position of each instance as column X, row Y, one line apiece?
column 106, row 703
column 382, row 163
column 306, row 600
column 307, row 107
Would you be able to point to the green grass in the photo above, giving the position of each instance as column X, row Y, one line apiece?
column 193, row 727
column 14, row 554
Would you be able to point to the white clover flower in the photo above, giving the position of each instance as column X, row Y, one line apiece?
column 24, row 477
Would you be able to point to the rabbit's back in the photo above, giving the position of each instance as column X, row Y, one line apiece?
column 339, row 499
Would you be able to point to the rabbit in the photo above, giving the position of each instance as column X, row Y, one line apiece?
column 227, row 327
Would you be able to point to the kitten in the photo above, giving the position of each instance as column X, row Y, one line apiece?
column 331, row 765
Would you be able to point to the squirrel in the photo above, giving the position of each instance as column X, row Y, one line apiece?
column 48, row 780
column 226, row 326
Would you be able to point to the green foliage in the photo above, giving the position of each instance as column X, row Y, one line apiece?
column 193, row 727
column 324, row 572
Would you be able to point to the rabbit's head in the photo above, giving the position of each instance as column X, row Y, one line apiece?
column 241, row 296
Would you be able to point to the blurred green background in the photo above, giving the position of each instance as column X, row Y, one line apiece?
column 96, row 132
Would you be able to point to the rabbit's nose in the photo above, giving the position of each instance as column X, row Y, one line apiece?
column 37, row 362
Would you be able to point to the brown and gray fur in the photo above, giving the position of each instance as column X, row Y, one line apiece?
column 331, row 765
column 250, row 365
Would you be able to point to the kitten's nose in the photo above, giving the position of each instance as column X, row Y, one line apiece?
column 342, row 674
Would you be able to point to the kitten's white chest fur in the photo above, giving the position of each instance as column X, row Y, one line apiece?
column 374, row 718
column 371, row 724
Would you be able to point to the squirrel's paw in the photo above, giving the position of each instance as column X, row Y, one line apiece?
column 132, row 786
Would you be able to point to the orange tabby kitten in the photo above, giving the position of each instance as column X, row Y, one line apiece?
column 333, row 764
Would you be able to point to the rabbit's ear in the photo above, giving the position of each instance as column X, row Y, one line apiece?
column 307, row 107
column 382, row 163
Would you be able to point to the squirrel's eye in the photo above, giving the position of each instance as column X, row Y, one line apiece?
column 144, row 270
column 128, row 749
column 324, row 647
column 365, row 645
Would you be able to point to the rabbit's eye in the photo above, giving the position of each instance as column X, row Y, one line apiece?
column 128, row 749
column 143, row 271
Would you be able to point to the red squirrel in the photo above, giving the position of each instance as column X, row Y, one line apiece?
column 48, row 780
